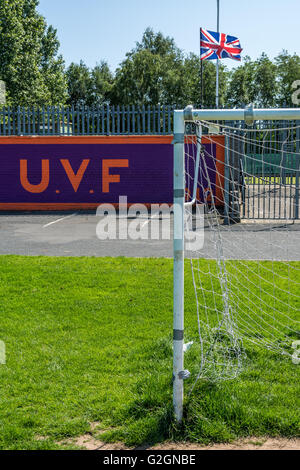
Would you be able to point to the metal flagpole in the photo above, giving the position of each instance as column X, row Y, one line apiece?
column 201, row 72
column 217, row 78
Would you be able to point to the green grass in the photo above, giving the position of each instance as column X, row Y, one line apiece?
column 90, row 340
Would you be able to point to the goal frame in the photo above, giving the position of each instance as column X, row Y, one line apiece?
column 249, row 115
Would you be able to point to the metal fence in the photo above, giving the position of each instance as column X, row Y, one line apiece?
column 262, row 171
column 99, row 120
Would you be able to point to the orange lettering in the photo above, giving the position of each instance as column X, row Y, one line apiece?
column 75, row 178
column 107, row 178
column 34, row 188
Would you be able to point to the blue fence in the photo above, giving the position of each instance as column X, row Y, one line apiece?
column 100, row 120
column 110, row 120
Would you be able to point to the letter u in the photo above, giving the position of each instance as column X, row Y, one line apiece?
column 34, row 188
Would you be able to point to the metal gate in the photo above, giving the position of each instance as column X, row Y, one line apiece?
column 263, row 174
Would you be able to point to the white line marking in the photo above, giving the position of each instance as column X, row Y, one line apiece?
column 59, row 220
column 149, row 219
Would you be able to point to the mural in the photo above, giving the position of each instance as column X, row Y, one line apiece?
column 48, row 173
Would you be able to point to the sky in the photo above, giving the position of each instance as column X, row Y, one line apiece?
column 95, row 30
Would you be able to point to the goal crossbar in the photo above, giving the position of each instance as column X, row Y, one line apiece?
column 248, row 114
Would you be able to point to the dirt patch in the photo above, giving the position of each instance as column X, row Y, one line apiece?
column 92, row 440
column 244, row 444
column 88, row 442
column 91, row 443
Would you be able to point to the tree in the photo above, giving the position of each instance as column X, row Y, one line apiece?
column 157, row 72
column 192, row 79
column 29, row 64
column 265, row 82
column 102, row 82
column 79, row 84
column 89, row 87
column 253, row 82
column 53, row 67
column 152, row 73
column 241, row 89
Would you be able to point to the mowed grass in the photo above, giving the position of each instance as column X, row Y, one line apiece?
column 90, row 340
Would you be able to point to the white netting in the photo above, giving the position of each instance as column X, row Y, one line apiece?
column 247, row 275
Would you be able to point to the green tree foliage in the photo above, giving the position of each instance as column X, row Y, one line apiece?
column 157, row 72
column 89, row 87
column 53, row 67
column 29, row 64
column 152, row 73
column 254, row 82
column 265, row 82
column 192, row 78
column 79, row 84
column 102, row 83
column 240, row 89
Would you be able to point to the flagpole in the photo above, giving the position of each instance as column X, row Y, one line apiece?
column 201, row 72
column 217, row 78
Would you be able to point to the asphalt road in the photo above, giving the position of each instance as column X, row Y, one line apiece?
column 74, row 234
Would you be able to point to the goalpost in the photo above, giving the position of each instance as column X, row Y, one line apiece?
column 246, row 182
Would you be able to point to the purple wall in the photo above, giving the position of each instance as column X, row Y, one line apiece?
column 146, row 176
column 58, row 172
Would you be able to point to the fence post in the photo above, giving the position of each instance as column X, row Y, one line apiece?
column 19, row 121
column 113, row 119
column 108, row 120
column 4, row 124
column 9, row 118
column 128, row 120
column 133, row 118
column 226, row 181
column 297, row 189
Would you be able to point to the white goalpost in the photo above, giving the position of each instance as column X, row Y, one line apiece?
column 242, row 173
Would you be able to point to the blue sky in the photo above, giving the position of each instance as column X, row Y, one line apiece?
column 93, row 30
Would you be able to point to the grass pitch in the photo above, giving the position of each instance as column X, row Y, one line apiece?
column 91, row 340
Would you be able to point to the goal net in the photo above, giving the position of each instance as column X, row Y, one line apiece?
column 243, row 183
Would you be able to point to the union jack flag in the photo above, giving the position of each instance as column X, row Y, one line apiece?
column 219, row 46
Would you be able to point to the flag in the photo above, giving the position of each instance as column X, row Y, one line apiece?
column 219, row 46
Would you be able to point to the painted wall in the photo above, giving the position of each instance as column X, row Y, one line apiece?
column 57, row 173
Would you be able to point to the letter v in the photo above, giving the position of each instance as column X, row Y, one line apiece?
column 75, row 178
